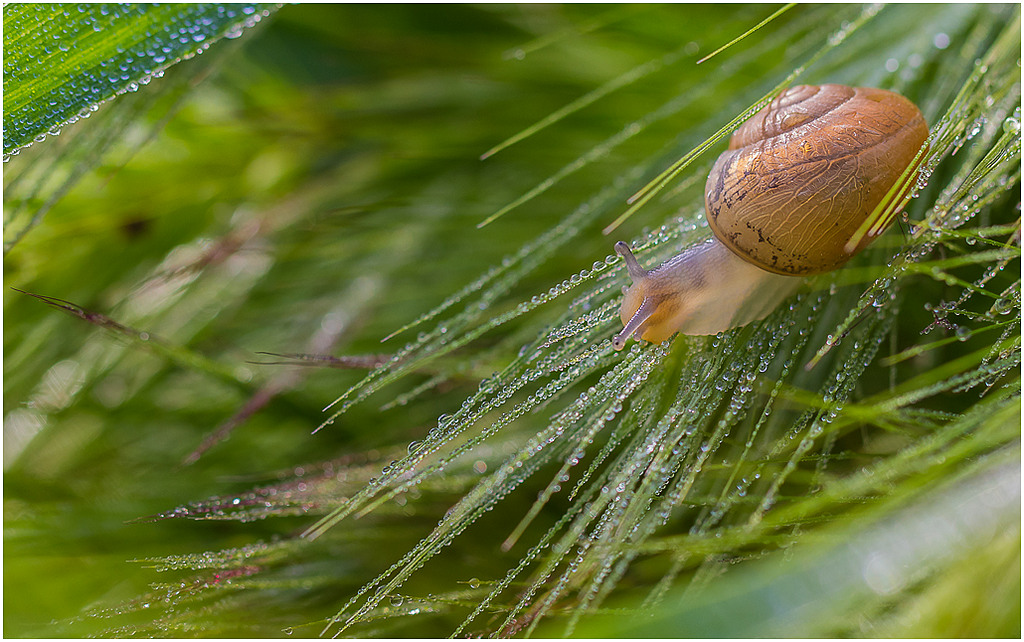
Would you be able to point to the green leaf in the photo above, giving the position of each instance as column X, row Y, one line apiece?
column 62, row 60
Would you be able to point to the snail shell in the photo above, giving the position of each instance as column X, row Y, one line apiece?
column 800, row 177
column 803, row 174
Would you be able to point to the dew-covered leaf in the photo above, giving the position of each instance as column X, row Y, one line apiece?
column 61, row 61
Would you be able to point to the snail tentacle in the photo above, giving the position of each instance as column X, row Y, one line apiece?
column 642, row 314
column 636, row 272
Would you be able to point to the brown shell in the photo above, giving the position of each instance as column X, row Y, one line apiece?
column 803, row 174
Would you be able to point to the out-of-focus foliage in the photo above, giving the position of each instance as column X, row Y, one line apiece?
column 321, row 189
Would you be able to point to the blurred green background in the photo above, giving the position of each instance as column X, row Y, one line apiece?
column 316, row 184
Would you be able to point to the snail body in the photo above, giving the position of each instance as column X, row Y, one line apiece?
column 799, row 179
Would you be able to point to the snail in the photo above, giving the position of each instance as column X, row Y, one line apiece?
column 799, row 179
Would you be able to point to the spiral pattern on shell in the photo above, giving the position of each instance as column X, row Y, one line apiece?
column 803, row 174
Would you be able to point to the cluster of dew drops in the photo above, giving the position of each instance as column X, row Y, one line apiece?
column 958, row 212
column 166, row 43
